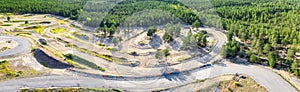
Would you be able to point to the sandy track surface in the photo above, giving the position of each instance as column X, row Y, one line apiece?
column 23, row 47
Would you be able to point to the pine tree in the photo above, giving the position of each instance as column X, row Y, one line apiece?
column 253, row 58
column 8, row 18
column 196, row 24
column 267, row 48
column 271, row 59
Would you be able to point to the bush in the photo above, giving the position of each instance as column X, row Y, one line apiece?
column 69, row 56
column 237, row 84
column 4, row 48
column 101, row 69
column 19, row 73
column 26, row 22
column 68, row 45
column 109, row 49
column 101, row 45
column 44, row 43
column 10, row 73
column 33, row 49
column 3, row 62
column 133, row 53
column 151, row 31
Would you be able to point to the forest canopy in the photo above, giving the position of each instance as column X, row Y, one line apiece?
column 65, row 8
column 268, row 30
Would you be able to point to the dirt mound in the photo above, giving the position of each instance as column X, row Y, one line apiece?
column 49, row 61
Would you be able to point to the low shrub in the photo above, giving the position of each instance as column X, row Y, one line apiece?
column 117, row 90
column 6, row 25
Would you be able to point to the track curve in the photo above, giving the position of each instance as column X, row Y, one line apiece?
column 23, row 47
column 265, row 77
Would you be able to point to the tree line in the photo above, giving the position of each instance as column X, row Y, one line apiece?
column 268, row 31
column 119, row 13
column 65, row 8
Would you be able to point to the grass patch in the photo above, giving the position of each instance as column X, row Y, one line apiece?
column 38, row 29
column 101, row 45
column 111, row 49
column 18, row 30
column 74, row 64
column 117, row 90
column 237, row 85
column 58, row 30
column 4, row 48
column 5, row 69
column 106, row 57
column 6, row 25
column 77, row 27
column 9, row 72
column 33, row 49
column 23, row 25
column 61, row 22
column 84, row 62
column 81, row 36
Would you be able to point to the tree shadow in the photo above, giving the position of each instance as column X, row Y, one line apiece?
column 155, row 42
column 175, row 45
column 175, row 76
column 105, row 41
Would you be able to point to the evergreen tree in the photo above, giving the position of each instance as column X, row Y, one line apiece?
column 267, row 48
column 8, row 18
column 167, row 37
column 151, row 31
column 271, row 59
column 253, row 58
column 290, row 54
column 196, row 24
